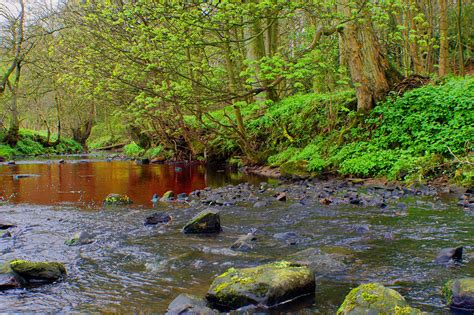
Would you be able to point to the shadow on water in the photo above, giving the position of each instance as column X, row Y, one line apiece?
column 135, row 268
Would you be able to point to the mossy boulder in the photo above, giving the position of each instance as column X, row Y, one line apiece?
column 266, row 285
column 167, row 196
column 459, row 294
column 189, row 304
column 38, row 271
column 294, row 169
column 205, row 222
column 374, row 298
column 117, row 200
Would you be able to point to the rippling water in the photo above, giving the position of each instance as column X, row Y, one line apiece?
column 131, row 267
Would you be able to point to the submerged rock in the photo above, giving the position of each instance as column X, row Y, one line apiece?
column 158, row 218
column 81, row 238
column 459, row 294
column 8, row 282
column 207, row 221
column 117, row 200
column 320, row 263
column 374, row 298
column 189, row 304
column 245, row 243
column 281, row 196
column 266, row 285
column 38, row 271
column 447, row 255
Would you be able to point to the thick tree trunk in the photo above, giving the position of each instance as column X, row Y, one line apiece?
column 370, row 71
column 82, row 133
column 443, row 33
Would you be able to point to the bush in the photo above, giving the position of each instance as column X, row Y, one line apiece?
column 133, row 150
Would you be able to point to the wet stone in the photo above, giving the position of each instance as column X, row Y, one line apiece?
column 8, row 282
column 189, row 304
column 81, row 238
column 374, row 298
column 459, row 294
column 265, row 285
column 245, row 243
column 38, row 271
column 158, row 218
column 447, row 255
column 117, row 200
column 207, row 221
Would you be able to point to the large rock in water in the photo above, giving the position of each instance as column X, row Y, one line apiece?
column 189, row 304
column 38, row 271
column 207, row 221
column 266, row 285
column 117, row 200
column 374, row 298
column 459, row 294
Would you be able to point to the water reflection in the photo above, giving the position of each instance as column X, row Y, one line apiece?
column 88, row 183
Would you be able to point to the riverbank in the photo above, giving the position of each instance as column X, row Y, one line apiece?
column 421, row 136
column 34, row 143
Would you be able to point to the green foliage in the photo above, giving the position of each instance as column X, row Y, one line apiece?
column 133, row 150
column 6, row 151
column 154, row 152
column 31, row 143
column 105, row 134
column 413, row 137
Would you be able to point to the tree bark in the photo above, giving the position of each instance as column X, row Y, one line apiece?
column 443, row 32
column 370, row 71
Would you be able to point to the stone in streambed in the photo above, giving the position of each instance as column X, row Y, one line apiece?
column 117, row 200
column 167, row 196
column 266, row 285
column 374, row 298
column 320, row 263
column 245, row 243
column 38, row 271
column 447, row 255
column 205, row 222
column 5, row 226
column 459, row 294
column 158, row 218
column 81, row 238
column 8, row 282
column 189, row 304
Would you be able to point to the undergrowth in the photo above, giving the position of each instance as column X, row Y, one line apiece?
column 29, row 145
column 425, row 133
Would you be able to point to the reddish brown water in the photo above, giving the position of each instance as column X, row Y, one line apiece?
column 87, row 183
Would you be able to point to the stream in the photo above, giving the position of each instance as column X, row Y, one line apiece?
column 131, row 267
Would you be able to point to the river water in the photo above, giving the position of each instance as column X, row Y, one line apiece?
column 134, row 268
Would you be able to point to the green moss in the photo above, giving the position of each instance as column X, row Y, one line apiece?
column 239, row 287
column 37, row 270
column 117, row 199
column 448, row 292
column 374, row 297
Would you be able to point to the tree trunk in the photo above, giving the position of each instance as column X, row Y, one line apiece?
column 460, row 48
column 370, row 71
column 14, row 129
column 443, row 33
